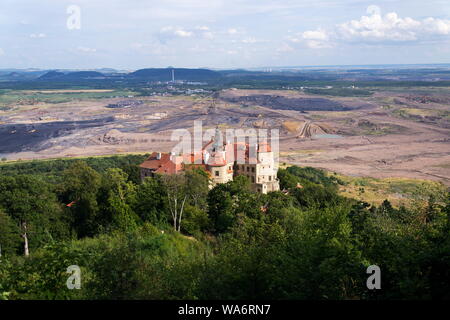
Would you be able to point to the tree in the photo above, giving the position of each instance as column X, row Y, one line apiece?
column 79, row 191
column 198, row 182
column 287, row 180
column 151, row 201
column 226, row 201
column 33, row 206
column 9, row 235
column 120, row 194
column 195, row 220
column 177, row 193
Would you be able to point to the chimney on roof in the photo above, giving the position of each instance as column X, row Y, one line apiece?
column 158, row 156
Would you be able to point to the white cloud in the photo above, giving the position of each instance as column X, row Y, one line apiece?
column 183, row 33
column 232, row 31
column 38, row 35
column 376, row 28
column 313, row 39
column 86, row 49
column 317, row 39
column 381, row 28
column 319, row 34
column 171, row 32
column 175, row 32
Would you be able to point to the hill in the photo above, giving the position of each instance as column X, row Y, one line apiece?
column 165, row 74
column 78, row 75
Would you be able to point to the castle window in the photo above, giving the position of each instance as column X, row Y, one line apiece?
column 253, row 179
column 270, row 178
column 229, row 168
column 253, row 169
column 248, row 169
column 217, row 173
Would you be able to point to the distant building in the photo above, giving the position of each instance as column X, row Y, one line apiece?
column 223, row 161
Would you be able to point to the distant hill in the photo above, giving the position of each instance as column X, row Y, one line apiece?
column 165, row 74
column 51, row 75
column 78, row 75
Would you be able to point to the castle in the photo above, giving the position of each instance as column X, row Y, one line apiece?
column 223, row 162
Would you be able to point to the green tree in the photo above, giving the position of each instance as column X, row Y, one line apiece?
column 33, row 206
column 80, row 189
column 151, row 202
column 198, row 187
column 120, row 195
column 9, row 235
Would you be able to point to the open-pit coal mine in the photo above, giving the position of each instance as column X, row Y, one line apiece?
column 284, row 103
column 28, row 137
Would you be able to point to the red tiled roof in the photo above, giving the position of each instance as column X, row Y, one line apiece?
column 163, row 165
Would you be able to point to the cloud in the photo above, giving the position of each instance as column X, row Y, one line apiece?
column 38, row 35
column 319, row 34
column 2, row 52
column 86, row 49
column 313, row 39
column 170, row 32
column 232, row 31
column 375, row 29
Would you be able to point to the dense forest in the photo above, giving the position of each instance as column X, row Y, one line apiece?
column 171, row 237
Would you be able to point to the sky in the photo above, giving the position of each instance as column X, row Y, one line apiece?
column 134, row 34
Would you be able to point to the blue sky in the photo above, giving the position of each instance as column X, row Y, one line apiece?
column 132, row 34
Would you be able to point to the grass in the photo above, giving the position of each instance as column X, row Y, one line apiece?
column 399, row 191
column 11, row 97
column 419, row 114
